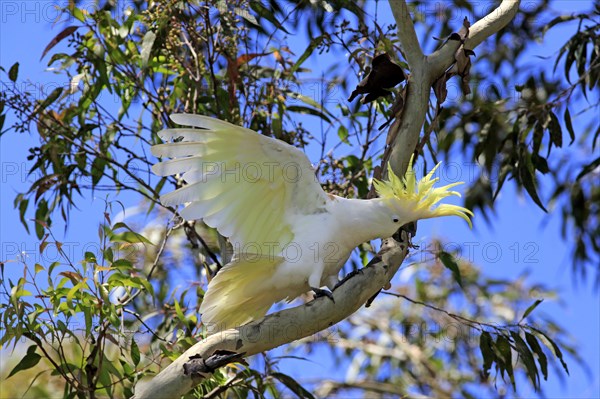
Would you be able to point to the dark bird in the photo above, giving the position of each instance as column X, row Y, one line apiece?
column 384, row 75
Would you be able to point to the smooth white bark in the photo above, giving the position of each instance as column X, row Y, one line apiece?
column 407, row 35
column 407, row 128
column 442, row 59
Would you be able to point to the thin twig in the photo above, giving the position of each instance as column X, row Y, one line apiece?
column 471, row 323
column 150, row 330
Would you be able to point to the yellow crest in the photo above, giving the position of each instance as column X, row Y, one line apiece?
column 421, row 196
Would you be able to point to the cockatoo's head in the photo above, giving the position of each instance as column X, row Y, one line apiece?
column 408, row 200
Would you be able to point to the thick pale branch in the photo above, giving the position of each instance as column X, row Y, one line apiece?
column 443, row 58
column 282, row 327
column 407, row 35
column 407, row 128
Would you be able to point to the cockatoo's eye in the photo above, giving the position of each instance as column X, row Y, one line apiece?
column 395, row 219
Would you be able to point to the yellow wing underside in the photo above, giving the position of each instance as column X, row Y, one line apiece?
column 240, row 182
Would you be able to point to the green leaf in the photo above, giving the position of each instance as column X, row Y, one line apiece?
column 503, row 351
column 537, row 349
column 558, row 20
column 121, row 225
column 135, row 352
column 570, row 57
column 81, row 160
column 87, row 316
column 38, row 268
column 538, row 135
column 246, row 15
column 531, row 308
column 502, row 178
column 178, row 310
column 555, row 130
column 148, row 286
column 159, row 186
column 98, row 169
column 485, row 346
column 122, row 280
column 147, row 44
column 51, row 267
column 540, row 163
column 122, row 264
column 19, row 293
column 23, row 203
column 450, row 263
column 314, row 43
column 28, row 361
column 90, row 257
column 527, row 358
column 588, row 168
column 293, row 385
column 277, row 126
column 130, row 237
column 108, row 368
column 53, row 96
column 353, row 162
column 267, row 14
column 108, row 254
column 343, row 134
column 310, row 111
column 13, row 72
column 42, row 219
column 76, row 289
column 552, row 345
column 79, row 14
column 569, row 124
column 527, row 178
column 104, row 380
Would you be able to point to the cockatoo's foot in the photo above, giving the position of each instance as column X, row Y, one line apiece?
column 319, row 292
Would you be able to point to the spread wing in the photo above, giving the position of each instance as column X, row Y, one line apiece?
column 246, row 185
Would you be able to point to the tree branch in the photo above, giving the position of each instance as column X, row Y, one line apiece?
column 407, row 35
column 443, row 57
column 281, row 327
column 406, row 128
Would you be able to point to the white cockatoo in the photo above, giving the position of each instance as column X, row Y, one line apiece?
column 288, row 235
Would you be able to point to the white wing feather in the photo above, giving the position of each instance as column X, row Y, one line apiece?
column 246, row 185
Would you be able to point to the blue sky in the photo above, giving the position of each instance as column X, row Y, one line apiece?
column 25, row 29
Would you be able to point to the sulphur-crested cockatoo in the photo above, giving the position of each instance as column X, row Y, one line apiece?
column 288, row 235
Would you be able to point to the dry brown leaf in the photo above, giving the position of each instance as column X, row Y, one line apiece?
column 64, row 33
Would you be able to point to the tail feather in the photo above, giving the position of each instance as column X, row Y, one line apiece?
column 240, row 293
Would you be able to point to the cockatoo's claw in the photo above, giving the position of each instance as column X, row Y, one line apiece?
column 321, row 293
